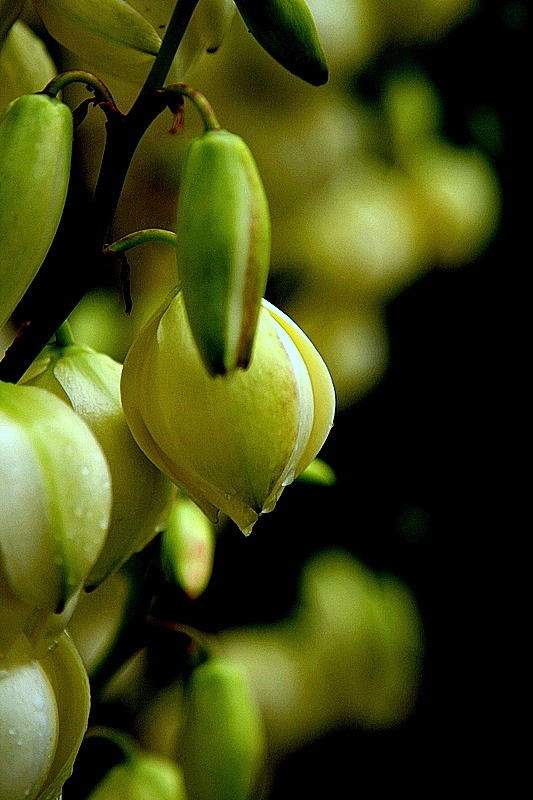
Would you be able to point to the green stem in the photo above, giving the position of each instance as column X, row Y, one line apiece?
column 58, row 83
column 141, row 237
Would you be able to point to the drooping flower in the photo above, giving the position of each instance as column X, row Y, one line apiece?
column 231, row 442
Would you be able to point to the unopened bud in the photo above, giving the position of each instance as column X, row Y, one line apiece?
column 223, row 742
column 223, row 247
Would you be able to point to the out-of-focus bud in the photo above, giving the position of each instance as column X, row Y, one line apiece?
column 318, row 472
column 35, row 151
column 223, row 247
column 90, row 383
column 187, row 547
column 350, row 655
column 110, row 34
column 414, row 111
column 232, row 442
column 222, row 743
column 205, row 31
column 25, row 64
column 365, row 634
column 28, row 724
column 460, row 192
column 365, row 232
column 286, row 30
column 142, row 776
column 55, row 500
column 350, row 333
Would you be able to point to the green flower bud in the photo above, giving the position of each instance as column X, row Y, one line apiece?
column 187, row 547
column 142, row 776
column 364, row 632
column 223, row 741
column 223, row 247
column 28, row 724
column 35, row 151
column 90, row 383
column 55, row 500
column 286, row 30
column 110, row 34
column 25, row 64
column 232, row 442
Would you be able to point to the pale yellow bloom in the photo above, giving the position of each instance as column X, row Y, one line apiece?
column 230, row 442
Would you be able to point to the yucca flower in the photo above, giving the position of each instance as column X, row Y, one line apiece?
column 231, row 442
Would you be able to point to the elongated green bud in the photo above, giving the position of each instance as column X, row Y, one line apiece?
column 35, row 152
column 187, row 547
column 109, row 34
column 223, row 742
column 142, row 776
column 286, row 30
column 223, row 247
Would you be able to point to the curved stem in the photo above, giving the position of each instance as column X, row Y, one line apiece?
column 126, row 243
column 58, row 83
column 201, row 103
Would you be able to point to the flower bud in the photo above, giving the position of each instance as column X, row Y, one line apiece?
column 35, row 151
column 55, row 500
column 142, row 776
column 286, row 30
column 223, row 247
column 28, row 724
column 232, row 442
column 110, row 34
column 223, row 740
column 25, row 64
column 187, row 547
column 90, row 383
